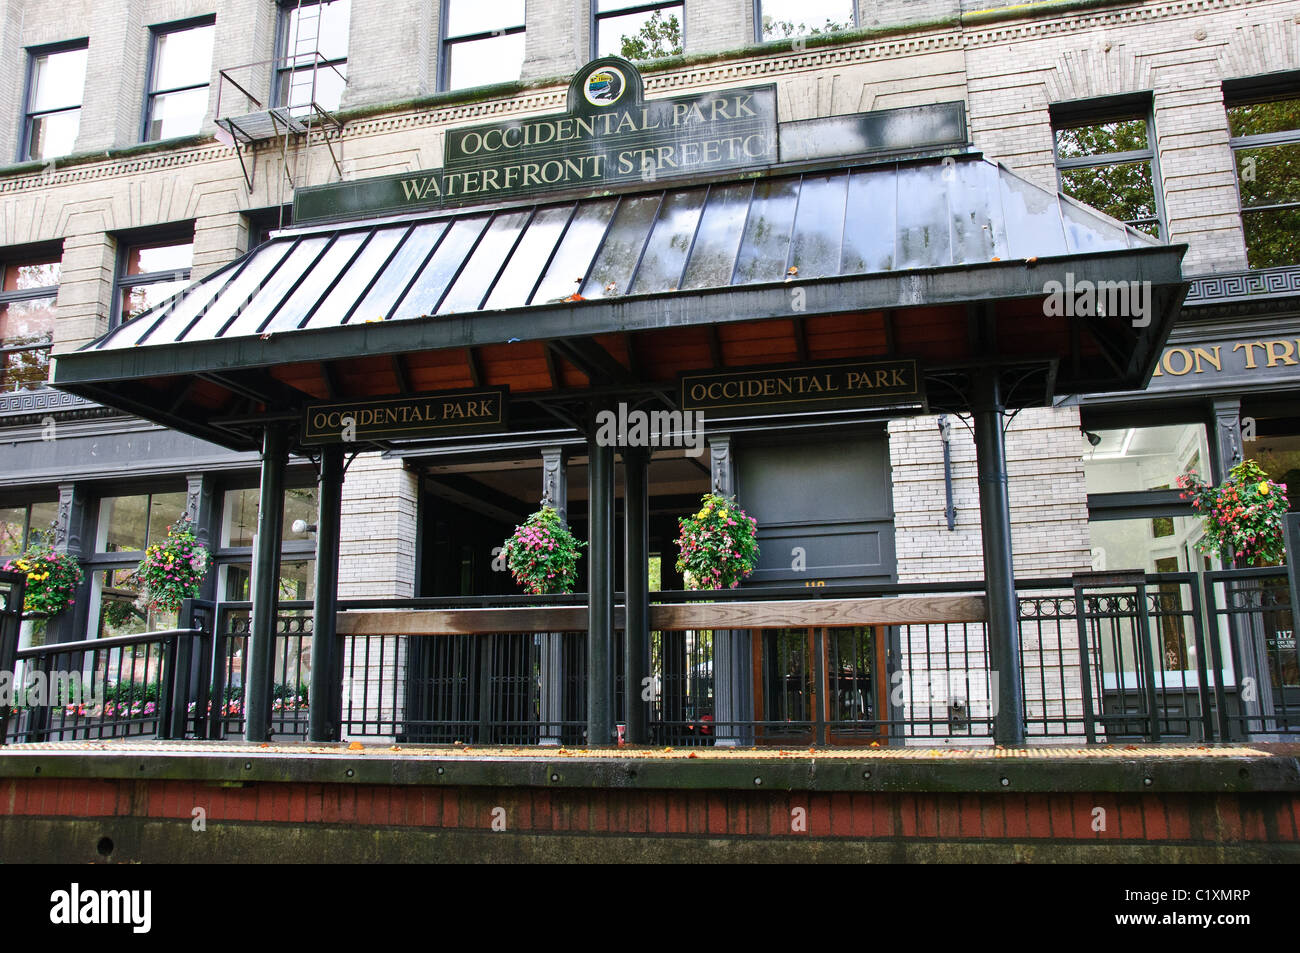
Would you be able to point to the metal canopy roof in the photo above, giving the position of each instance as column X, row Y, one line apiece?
column 886, row 236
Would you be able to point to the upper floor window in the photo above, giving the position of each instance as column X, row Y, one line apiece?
column 313, row 63
column 782, row 19
column 27, row 322
column 263, row 221
column 1265, row 141
column 1106, row 158
column 179, row 72
column 483, row 43
column 638, row 31
column 56, row 79
column 151, row 272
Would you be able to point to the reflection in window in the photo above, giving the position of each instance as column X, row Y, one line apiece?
column 239, row 521
column 22, row 527
column 56, row 82
column 1265, row 140
column 1110, row 166
column 483, row 43
column 1276, row 448
column 178, row 81
column 782, row 19
column 314, row 64
column 638, row 31
column 131, row 523
column 297, row 580
column 27, row 322
column 152, row 273
column 1132, row 459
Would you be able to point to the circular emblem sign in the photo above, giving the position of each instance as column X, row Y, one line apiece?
column 605, row 86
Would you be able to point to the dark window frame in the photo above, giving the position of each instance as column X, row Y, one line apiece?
column 260, row 222
column 165, row 235
column 1260, row 89
column 648, row 7
column 19, row 255
column 33, row 54
column 446, row 42
column 758, row 25
column 159, row 30
column 281, row 80
column 1069, row 115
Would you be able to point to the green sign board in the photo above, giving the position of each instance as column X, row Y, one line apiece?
column 765, row 390
column 608, row 136
column 405, row 418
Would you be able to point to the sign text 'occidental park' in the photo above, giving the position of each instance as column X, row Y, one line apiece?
column 608, row 136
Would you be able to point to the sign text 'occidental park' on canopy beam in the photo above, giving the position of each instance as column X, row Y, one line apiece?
column 608, row 136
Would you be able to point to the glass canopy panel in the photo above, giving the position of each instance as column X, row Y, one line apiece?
column 565, row 274
column 870, row 225
column 485, row 263
column 317, row 284
column 379, row 301
column 338, row 304
column 714, row 256
column 924, row 223
column 670, row 242
column 766, row 245
column 1085, row 231
column 524, row 269
column 977, row 234
column 442, row 268
column 210, row 324
column 819, row 225
column 272, row 294
column 1033, row 216
column 619, row 253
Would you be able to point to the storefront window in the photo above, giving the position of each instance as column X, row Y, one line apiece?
column 638, row 30
column 130, row 523
column 297, row 580
column 239, row 521
column 780, row 19
column 1276, row 448
column 24, row 526
column 1132, row 459
column 1265, row 140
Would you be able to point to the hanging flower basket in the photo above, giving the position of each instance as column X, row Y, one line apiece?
column 52, row 580
column 1242, row 515
column 173, row 570
column 543, row 554
column 718, row 546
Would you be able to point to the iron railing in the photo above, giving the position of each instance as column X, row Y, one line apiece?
column 1105, row 658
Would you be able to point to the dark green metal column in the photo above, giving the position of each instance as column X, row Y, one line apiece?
column 600, row 592
column 999, row 570
column 326, row 690
column 266, row 586
column 636, row 588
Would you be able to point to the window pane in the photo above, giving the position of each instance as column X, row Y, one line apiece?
column 783, row 18
column 1277, row 451
column 319, row 28
column 40, row 524
column 497, row 59
column 164, row 510
column 297, row 580
column 137, row 299
column 1272, row 237
column 297, row 92
column 1269, row 175
column 177, row 114
column 183, row 58
column 1124, row 190
column 641, row 36
column 13, row 523
column 1145, row 458
column 466, row 17
column 25, row 277
column 58, row 80
column 1280, row 115
column 123, row 524
column 241, row 508
column 25, row 370
column 54, row 134
column 1123, row 135
column 27, row 322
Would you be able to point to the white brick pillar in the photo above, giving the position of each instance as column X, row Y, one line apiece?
column 557, row 37
column 392, row 51
column 218, row 240
column 85, row 289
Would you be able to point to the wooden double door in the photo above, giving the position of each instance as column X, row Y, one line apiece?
column 820, row 686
